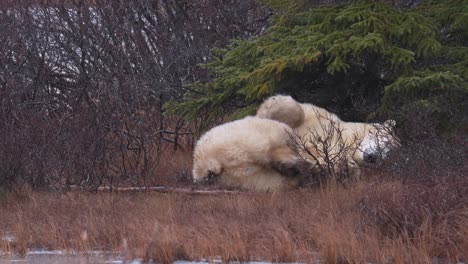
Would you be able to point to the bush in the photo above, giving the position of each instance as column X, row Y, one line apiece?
column 82, row 84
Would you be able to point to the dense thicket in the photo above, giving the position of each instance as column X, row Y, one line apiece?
column 360, row 60
column 82, row 83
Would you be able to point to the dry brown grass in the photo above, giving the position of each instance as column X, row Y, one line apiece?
column 379, row 221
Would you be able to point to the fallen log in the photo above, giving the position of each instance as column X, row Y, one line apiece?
column 161, row 189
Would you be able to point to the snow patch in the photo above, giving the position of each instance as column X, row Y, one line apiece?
column 8, row 238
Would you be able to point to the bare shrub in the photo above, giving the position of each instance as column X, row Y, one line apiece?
column 82, row 85
column 327, row 149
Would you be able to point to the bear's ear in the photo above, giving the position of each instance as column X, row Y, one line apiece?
column 390, row 124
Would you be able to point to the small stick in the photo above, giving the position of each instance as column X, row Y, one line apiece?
column 162, row 189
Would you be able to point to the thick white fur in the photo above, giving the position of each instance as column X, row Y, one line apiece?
column 290, row 112
column 361, row 137
column 243, row 154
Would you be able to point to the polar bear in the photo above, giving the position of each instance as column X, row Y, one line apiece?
column 284, row 109
column 250, row 153
column 366, row 143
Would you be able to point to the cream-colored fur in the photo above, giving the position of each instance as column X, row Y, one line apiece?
column 245, row 154
column 290, row 112
column 363, row 139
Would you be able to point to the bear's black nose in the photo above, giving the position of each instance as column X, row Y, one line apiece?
column 371, row 157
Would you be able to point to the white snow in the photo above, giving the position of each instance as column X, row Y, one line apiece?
column 34, row 256
column 8, row 238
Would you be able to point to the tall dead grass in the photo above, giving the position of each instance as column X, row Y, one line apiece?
column 374, row 220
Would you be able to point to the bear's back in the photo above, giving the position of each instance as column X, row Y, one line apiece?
column 244, row 139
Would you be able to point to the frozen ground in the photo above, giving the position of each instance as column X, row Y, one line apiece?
column 60, row 257
column 42, row 256
column 51, row 258
column 100, row 257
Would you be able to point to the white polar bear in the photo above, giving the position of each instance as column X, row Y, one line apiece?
column 366, row 143
column 250, row 153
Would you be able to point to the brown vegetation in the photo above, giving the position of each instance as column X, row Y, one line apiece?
column 379, row 219
column 83, row 84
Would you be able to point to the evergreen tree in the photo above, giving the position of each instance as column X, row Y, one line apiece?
column 365, row 55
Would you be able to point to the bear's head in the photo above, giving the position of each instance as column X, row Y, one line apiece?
column 378, row 141
column 282, row 108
